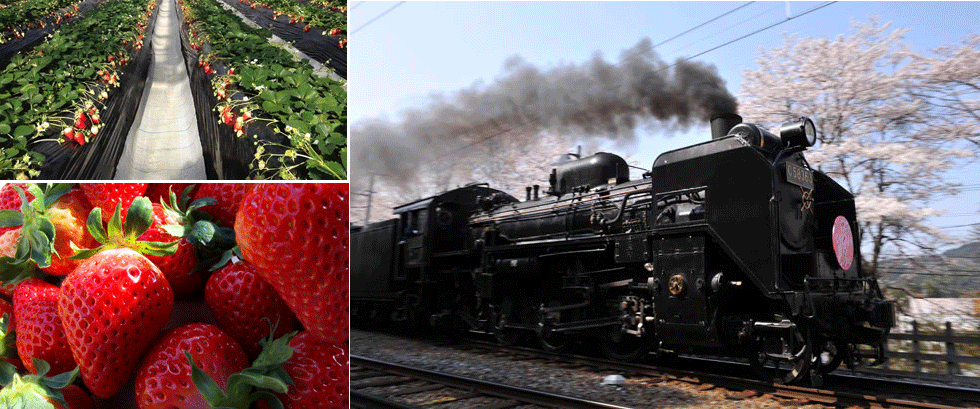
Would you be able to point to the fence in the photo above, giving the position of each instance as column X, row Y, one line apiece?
column 934, row 353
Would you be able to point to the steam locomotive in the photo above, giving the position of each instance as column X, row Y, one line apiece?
column 734, row 246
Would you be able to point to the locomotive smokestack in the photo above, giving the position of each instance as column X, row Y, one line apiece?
column 722, row 123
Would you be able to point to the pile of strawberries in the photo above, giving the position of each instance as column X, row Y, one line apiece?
column 174, row 295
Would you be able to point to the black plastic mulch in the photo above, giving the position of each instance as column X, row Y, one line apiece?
column 319, row 47
column 35, row 36
column 98, row 158
column 225, row 155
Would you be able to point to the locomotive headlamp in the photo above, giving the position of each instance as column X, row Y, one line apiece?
column 799, row 133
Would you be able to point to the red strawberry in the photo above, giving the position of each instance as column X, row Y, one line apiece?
column 228, row 197
column 68, row 214
column 239, row 300
column 296, row 236
column 320, row 372
column 163, row 379
column 8, row 245
column 77, row 398
column 8, row 342
column 106, row 196
column 10, row 200
column 112, row 308
column 178, row 268
column 39, row 333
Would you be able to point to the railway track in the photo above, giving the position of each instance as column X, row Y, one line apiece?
column 376, row 384
column 839, row 390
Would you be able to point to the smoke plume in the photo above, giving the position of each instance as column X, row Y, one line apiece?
column 596, row 98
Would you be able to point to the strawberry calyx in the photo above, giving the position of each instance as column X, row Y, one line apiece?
column 265, row 377
column 34, row 391
column 115, row 235
column 36, row 244
column 213, row 244
column 8, row 340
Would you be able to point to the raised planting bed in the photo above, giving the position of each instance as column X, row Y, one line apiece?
column 67, row 105
column 262, row 113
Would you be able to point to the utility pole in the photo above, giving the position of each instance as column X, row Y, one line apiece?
column 369, row 194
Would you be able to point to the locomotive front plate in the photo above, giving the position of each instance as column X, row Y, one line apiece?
column 799, row 176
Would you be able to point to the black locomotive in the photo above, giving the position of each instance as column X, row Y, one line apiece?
column 735, row 246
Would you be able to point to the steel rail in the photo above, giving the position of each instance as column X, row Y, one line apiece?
column 494, row 389
column 830, row 397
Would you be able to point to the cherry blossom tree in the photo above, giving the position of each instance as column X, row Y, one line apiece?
column 506, row 161
column 890, row 121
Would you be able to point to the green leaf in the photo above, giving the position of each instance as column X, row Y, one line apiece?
column 205, row 384
column 41, row 366
column 55, row 192
column 4, row 129
column 11, row 218
column 269, row 398
column 259, row 381
column 94, row 225
column 139, row 218
column 202, row 233
column 115, row 229
column 275, row 352
column 156, row 248
column 23, row 130
column 61, row 380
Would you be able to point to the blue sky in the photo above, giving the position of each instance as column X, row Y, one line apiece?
column 423, row 48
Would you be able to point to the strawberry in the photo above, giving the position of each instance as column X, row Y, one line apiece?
column 112, row 308
column 163, row 379
column 296, row 236
column 10, row 200
column 8, row 342
column 76, row 398
column 320, row 373
column 115, row 303
column 8, row 246
column 228, row 197
column 68, row 214
column 105, row 196
column 179, row 267
column 245, row 306
column 39, row 331
column 40, row 391
column 80, row 122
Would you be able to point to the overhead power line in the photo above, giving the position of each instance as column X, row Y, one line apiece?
column 377, row 17
column 759, row 30
column 703, row 24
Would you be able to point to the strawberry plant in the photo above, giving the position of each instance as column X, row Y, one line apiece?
column 43, row 98
column 266, row 88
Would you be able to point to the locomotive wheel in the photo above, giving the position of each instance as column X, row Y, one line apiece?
column 506, row 336
column 549, row 340
column 799, row 350
column 828, row 355
column 620, row 346
column 555, row 342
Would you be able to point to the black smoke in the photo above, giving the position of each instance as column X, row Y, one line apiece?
column 597, row 98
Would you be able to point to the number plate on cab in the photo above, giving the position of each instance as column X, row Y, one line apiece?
column 799, row 176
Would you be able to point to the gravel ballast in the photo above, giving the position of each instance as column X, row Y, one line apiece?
column 637, row 392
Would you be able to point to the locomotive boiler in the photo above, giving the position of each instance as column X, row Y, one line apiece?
column 735, row 246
